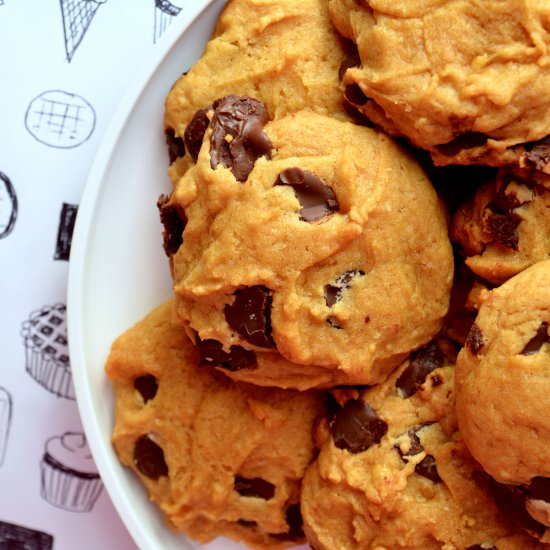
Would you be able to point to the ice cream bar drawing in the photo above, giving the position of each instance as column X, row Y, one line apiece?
column 67, row 220
column 6, row 411
column 165, row 11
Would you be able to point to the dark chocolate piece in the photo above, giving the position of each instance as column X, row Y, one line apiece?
column 538, row 154
column 474, row 340
column 149, row 458
column 333, row 292
column 427, row 468
column 212, row 354
column 356, row 427
column 481, row 547
column 147, row 386
column 316, row 198
column 415, row 446
column 173, row 222
column 250, row 315
column 504, row 229
column 468, row 140
column 254, row 487
column 421, row 363
column 238, row 138
column 540, row 338
column 176, row 146
column 194, row 132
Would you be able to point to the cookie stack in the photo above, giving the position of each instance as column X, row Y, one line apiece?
column 357, row 235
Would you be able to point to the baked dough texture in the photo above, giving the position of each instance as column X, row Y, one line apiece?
column 284, row 52
column 334, row 240
column 503, row 380
column 394, row 473
column 505, row 227
column 217, row 457
column 463, row 79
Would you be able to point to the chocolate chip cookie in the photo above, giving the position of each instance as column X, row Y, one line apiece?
column 310, row 239
column 473, row 91
column 283, row 52
column 505, row 227
column 503, row 376
column 217, row 457
column 394, row 473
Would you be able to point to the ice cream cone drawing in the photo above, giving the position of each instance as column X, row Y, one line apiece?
column 165, row 11
column 77, row 16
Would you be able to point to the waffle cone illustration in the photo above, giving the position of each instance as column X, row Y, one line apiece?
column 77, row 16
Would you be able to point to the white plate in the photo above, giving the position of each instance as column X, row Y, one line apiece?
column 118, row 271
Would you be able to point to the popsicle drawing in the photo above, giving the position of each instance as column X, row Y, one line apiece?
column 165, row 12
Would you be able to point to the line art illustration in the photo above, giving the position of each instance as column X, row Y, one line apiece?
column 60, row 119
column 8, row 206
column 67, row 219
column 17, row 536
column 68, row 475
column 77, row 16
column 165, row 11
column 46, row 350
column 6, row 410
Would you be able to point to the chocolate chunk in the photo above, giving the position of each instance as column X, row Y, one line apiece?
column 415, row 446
column 510, row 500
column 504, row 229
column 173, row 221
column 540, row 338
column 333, row 292
column 254, row 487
column 147, row 386
column 427, row 468
column 356, row 427
column 316, row 198
column 482, row 547
column 468, row 140
column 293, row 516
column 149, row 458
column 237, row 358
column 250, row 315
column 474, row 340
column 176, row 146
column 421, row 363
column 194, row 132
column 538, row 154
column 238, row 138
column 539, row 488
column 355, row 95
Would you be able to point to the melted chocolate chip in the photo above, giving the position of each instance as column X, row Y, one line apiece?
column 176, row 146
column 427, row 468
column 540, row 338
column 315, row 197
column 147, row 386
column 237, row 358
column 415, row 446
column 149, row 458
column 250, row 315
column 333, row 292
column 173, row 222
column 254, row 487
column 238, row 138
column 539, row 488
column 356, row 426
column 294, row 520
column 474, row 340
column 468, row 140
column 504, row 229
column 510, row 500
column 421, row 363
column 355, row 95
column 194, row 132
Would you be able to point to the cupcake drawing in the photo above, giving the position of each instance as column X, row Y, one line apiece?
column 5, row 421
column 46, row 354
column 69, row 479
